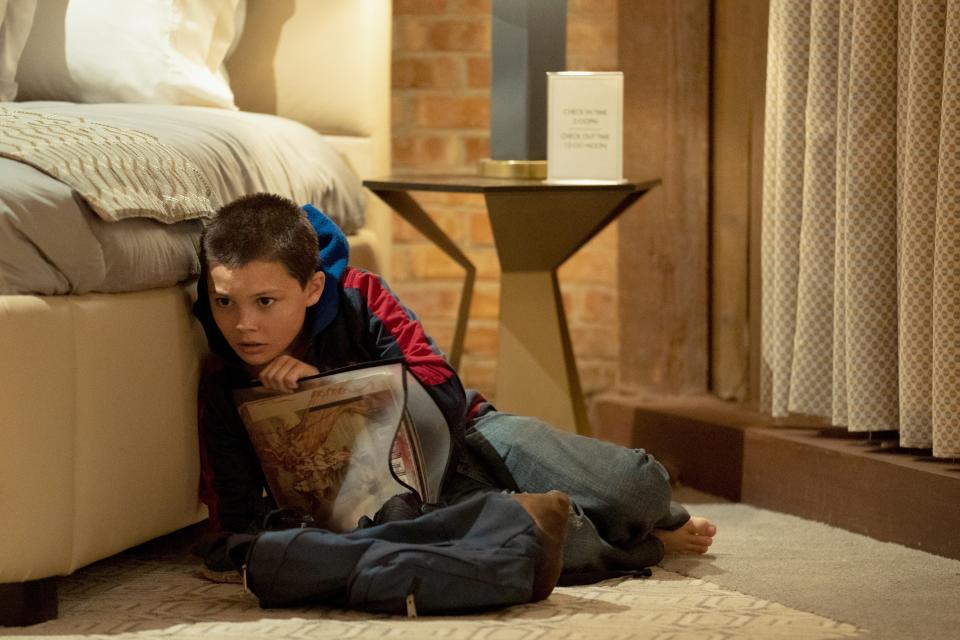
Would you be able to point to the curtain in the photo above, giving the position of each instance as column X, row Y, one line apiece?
column 861, row 217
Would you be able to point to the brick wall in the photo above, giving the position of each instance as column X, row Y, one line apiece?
column 441, row 117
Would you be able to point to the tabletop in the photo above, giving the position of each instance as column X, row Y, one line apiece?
column 481, row 184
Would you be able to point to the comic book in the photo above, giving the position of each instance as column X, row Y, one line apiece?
column 347, row 441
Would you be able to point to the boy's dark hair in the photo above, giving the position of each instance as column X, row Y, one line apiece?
column 262, row 226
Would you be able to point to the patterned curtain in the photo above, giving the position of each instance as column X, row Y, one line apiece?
column 861, row 217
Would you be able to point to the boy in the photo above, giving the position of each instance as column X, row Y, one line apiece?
column 273, row 310
column 258, row 302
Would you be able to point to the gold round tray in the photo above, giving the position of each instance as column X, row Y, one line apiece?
column 515, row 169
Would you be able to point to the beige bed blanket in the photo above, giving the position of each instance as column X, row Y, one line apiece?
column 120, row 172
column 65, row 230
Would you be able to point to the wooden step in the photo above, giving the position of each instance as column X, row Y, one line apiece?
column 799, row 466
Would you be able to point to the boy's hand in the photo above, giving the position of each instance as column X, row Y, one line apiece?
column 283, row 373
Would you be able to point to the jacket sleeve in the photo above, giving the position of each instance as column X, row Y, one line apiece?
column 396, row 332
column 232, row 482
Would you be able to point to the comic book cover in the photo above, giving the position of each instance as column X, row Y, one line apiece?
column 337, row 448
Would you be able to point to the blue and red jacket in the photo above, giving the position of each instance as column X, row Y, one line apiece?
column 358, row 319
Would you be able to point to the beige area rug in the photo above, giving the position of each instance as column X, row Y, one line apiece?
column 889, row 591
column 154, row 592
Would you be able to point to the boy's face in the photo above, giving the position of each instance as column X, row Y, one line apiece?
column 260, row 308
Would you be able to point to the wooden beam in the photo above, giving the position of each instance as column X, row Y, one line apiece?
column 736, row 163
column 664, row 52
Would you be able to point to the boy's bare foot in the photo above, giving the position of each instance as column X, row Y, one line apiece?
column 693, row 536
column 549, row 512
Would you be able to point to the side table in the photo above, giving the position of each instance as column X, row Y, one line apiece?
column 536, row 227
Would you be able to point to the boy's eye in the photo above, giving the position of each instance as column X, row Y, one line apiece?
column 265, row 302
column 222, row 302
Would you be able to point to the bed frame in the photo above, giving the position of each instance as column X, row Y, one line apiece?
column 98, row 404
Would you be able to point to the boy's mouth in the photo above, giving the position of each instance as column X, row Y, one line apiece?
column 251, row 347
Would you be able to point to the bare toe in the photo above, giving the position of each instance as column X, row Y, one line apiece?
column 700, row 526
column 699, row 544
column 694, row 536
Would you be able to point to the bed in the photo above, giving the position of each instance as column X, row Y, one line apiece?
column 100, row 351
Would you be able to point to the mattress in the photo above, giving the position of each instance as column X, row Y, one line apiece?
column 52, row 242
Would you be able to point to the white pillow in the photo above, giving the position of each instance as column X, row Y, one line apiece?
column 143, row 51
column 15, row 19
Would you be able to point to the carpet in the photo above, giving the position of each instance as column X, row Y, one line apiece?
column 739, row 591
column 886, row 590
column 769, row 575
column 142, row 594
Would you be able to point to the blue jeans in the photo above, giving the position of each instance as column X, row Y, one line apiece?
column 476, row 554
column 619, row 495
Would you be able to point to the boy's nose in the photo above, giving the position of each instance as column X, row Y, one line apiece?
column 245, row 321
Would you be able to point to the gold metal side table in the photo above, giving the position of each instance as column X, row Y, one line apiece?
column 536, row 228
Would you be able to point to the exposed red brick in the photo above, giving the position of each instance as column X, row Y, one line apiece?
column 400, row 112
column 590, row 265
column 598, row 305
column 473, row 6
column 441, row 72
column 478, row 72
column 475, row 148
column 445, row 112
column 481, row 340
column 442, row 333
column 459, row 35
column 423, row 149
column 428, row 199
column 486, row 261
column 486, row 301
column 415, row 33
column 479, row 372
column 480, row 231
column 567, row 298
column 402, row 7
column 403, row 265
column 427, row 262
column 450, row 222
column 430, row 303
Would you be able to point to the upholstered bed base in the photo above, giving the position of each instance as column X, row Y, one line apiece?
column 99, row 400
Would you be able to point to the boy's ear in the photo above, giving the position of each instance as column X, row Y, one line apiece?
column 315, row 287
